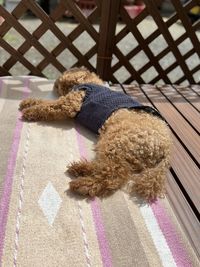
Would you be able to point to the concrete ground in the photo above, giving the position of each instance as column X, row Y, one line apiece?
column 84, row 42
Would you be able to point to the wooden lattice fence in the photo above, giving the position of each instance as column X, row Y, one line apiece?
column 145, row 61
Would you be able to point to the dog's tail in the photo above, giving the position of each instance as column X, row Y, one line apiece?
column 150, row 183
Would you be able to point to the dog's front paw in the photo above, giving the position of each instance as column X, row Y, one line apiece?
column 29, row 102
column 30, row 114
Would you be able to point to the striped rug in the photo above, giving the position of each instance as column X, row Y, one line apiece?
column 42, row 224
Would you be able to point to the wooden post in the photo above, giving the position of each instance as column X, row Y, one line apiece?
column 109, row 17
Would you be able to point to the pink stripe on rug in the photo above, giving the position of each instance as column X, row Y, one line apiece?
column 169, row 231
column 8, row 179
column 97, row 216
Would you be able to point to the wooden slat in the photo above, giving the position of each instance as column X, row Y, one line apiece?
column 130, row 55
column 182, row 14
column 163, row 28
column 109, row 17
column 180, row 103
column 17, row 13
column 189, row 137
column 144, row 46
column 15, row 56
column 42, row 29
column 184, row 213
column 59, row 34
column 18, row 57
column 188, row 95
column 187, row 171
column 81, row 18
column 196, row 89
column 184, row 166
column 128, row 65
column 183, row 184
column 106, row 40
column 4, row 71
column 121, row 34
column 27, row 45
column 27, row 36
column 47, row 24
column 176, row 63
column 79, row 29
column 154, row 35
column 197, row 68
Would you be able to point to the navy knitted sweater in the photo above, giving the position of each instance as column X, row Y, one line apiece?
column 100, row 102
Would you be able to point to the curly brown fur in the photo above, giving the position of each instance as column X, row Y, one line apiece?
column 80, row 168
column 73, row 77
column 44, row 110
column 133, row 147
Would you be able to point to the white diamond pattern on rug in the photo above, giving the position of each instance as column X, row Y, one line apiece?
column 50, row 202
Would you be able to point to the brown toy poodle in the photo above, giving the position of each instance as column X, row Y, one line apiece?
column 134, row 141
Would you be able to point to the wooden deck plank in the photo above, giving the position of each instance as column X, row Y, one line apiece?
column 185, row 168
column 190, row 96
column 184, row 213
column 187, row 171
column 183, row 184
column 195, row 88
column 181, row 104
column 182, row 128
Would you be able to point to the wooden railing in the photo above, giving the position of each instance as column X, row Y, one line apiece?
column 110, row 57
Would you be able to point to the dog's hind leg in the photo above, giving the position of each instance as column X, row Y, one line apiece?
column 150, row 183
column 90, row 186
column 104, row 180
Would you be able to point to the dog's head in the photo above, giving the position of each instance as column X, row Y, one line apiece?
column 76, row 76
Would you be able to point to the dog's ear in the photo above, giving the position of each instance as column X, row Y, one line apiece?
column 64, row 83
column 75, row 76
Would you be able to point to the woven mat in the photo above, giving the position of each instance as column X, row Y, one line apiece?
column 42, row 224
